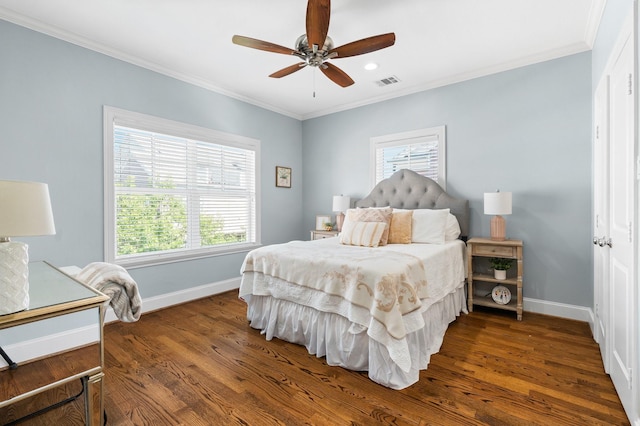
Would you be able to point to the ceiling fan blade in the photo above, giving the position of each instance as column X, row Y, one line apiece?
column 366, row 45
column 288, row 70
column 261, row 45
column 318, row 13
column 336, row 75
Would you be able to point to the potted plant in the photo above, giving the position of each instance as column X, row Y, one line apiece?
column 500, row 266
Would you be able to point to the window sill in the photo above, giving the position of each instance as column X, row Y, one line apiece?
column 141, row 261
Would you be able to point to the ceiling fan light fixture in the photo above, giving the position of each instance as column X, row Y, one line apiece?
column 314, row 57
column 371, row 66
column 315, row 47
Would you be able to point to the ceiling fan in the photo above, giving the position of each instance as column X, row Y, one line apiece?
column 315, row 47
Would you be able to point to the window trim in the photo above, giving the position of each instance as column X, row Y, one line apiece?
column 396, row 139
column 115, row 116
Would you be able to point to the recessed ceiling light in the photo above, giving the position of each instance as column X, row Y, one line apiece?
column 371, row 66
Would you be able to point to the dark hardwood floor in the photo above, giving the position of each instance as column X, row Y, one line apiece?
column 201, row 364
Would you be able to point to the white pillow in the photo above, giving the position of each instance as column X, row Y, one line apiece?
column 452, row 230
column 429, row 226
column 365, row 234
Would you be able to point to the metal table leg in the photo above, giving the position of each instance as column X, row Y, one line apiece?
column 12, row 365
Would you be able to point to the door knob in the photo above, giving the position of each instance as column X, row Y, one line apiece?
column 595, row 240
column 607, row 242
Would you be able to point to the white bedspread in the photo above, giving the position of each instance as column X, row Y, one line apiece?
column 382, row 290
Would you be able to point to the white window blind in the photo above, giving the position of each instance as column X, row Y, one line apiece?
column 422, row 151
column 177, row 197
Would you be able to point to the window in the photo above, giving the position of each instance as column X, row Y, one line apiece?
column 422, row 151
column 174, row 191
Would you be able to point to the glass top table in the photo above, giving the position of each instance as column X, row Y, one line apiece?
column 52, row 293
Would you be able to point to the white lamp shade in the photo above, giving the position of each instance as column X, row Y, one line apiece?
column 497, row 203
column 341, row 203
column 25, row 209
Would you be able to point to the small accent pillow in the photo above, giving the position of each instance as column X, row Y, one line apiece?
column 452, row 230
column 372, row 214
column 366, row 234
column 400, row 228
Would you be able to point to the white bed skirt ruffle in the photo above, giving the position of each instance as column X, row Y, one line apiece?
column 347, row 345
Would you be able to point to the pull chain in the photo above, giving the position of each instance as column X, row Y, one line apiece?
column 314, row 82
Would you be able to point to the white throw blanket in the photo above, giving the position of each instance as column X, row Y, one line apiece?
column 115, row 282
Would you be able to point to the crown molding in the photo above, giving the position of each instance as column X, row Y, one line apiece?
column 458, row 78
column 593, row 22
column 595, row 16
column 73, row 38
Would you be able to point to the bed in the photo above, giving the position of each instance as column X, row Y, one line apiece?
column 359, row 303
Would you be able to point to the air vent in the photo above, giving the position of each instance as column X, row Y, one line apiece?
column 387, row 81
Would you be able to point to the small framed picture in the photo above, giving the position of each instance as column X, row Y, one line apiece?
column 323, row 222
column 283, row 177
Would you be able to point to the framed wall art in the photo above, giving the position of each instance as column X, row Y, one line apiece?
column 283, row 177
column 323, row 223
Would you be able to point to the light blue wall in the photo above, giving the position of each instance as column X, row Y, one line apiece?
column 51, row 99
column 527, row 131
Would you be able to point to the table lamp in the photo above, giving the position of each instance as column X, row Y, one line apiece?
column 341, row 204
column 497, row 203
column 25, row 210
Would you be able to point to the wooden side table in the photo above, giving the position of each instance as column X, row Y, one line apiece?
column 479, row 280
column 319, row 235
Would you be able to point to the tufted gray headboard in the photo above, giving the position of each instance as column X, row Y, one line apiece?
column 406, row 189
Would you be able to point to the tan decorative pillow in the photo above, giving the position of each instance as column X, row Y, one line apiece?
column 365, row 234
column 400, row 228
column 371, row 215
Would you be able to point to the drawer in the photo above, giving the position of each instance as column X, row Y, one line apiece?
column 320, row 235
column 493, row 250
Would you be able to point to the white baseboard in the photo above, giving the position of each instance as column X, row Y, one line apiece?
column 51, row 344
column 38, row 348
column 177, row 297
column 41, row 347
column 562, row 310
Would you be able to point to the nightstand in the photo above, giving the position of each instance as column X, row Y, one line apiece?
column 54, row 294
column 319, row 235
column 479, row 278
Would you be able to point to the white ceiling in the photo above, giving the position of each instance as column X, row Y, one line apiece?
column 438, row 42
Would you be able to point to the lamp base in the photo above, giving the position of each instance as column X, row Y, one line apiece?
column 339, row 221
column 498, row 228
column 14, row 277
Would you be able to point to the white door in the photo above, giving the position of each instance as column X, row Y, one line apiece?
column 622, row 224
column 601, row 219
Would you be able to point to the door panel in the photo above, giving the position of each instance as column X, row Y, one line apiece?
column 622, row 222
column 601, row 219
